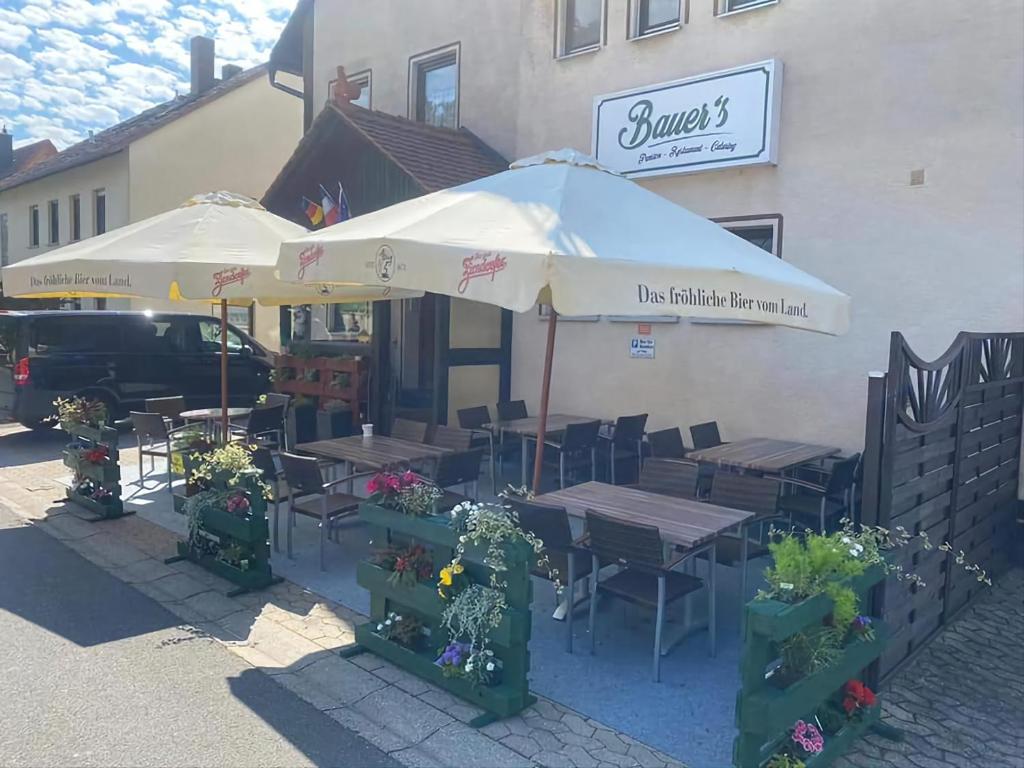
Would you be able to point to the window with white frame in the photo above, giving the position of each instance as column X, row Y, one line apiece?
column 763, row 231
column 365, row 82
column 434, row 87
column 730, row 6
column 649, row 17
column 580, row 26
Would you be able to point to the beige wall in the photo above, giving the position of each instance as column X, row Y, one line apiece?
column 238, row 142
column 109, row 174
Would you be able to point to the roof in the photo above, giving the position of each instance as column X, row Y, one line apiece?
column 286, row 55
column 118, row 137
column 433, row 158
column 30, row 155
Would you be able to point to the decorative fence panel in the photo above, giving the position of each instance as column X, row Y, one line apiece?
column 942, row 456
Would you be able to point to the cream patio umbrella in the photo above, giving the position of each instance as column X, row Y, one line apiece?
column 217, row 247
column 560, row 229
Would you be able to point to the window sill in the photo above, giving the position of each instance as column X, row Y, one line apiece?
column 757, row 7
column 656, row 33
column 580, row 52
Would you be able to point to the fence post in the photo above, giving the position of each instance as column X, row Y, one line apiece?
column 873, row 447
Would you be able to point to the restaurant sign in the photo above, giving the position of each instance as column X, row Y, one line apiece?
column 717, row 120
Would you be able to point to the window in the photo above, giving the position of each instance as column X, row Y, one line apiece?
column 580, row 26
column 763, row 231
column 76, row 334
column 731, row 6
column 653, row 16
column 434, row 81
column 351, row 322
column 75, row 218
column 99, row 206
column 209, row 337
column 53, row 216
column 365, row 82
column 240, row 317
column 33, row 226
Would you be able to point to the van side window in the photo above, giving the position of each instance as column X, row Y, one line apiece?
column 209, row 337
column 76, row 334
column 8, row 338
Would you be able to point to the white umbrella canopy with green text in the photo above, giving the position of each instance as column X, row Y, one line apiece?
column 560, row 229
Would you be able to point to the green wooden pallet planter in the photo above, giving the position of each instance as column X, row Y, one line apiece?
column 765, row 713
column 106, row 474
column 250, row 533
column 509, row 640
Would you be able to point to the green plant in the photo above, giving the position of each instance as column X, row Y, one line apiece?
column 407, row 631
column 831, row 717
column 785, row 761
column 807, row 652
column 472, row 614
column 231, row 464
column 408, row 565
column 81, row 410
column 406, row 492
column 235, row 555
column 195, row 507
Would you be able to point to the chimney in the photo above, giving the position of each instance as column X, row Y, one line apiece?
column 6, row 151
column 201, row 49
column 228, row 71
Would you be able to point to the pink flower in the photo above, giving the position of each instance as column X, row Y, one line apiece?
column 392, row 484
column 409, row 478
column 373, row 486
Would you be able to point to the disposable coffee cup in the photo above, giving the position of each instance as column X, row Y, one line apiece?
column 367, row 430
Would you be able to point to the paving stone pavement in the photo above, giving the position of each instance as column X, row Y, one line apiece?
column 294, row 635
column 961, row 702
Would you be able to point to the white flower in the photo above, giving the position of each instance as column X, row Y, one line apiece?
column 785, row 585
column 387, row 622
column 380, row 627
column 490, row 666
column 846, row 539
column 469, row 666
column 398, row 618
column 854, row 552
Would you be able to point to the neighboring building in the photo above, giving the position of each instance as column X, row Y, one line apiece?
column 888, row 147
column 14, row 161
column 233, row 133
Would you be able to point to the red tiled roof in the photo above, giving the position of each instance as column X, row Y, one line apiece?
column 30, row 154
column 118, row 137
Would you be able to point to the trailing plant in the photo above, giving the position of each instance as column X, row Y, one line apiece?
column 81, row 410
column 408, row 565
column 460, row 660
column 195, row 507
column 406, row 492
column 404, row 630
column 231, row 464
column 473, row 613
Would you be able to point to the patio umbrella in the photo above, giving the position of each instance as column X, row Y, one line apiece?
column 559, row 229
column 217, row 247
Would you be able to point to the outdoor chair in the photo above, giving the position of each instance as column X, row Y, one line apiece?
column 154, row 440
column 644, row 577
column 666, row 444
column 263, row 460
column 576, row 447
column 265, row 427
column 511, row 410
column 824, row 503
column 279, row 398
column 669, row 477
column 309, row 495
column 626, row 441
column 168, row 407
column 705, row 435
column 407, row 429
column 477, row 420
column 461, row 468
column 565, row 554
column 451, row 437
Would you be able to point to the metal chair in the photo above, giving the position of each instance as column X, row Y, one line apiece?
column 477, row 420
column 565, row 554
column 644, row 577
column 168, row 407
column 265, row 427
column 279, row 398
column 511, row 410
column 626, row 441
column 302, row 473
column 705, row 435
column 263, row 460
column 452, row 438
column 407, row 429
column 666, row 444
column 462, row 468
column 828, row 501
column 153, row 429
column 669, row 477
column 575, row 447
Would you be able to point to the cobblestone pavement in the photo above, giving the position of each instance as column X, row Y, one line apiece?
column 294, row 635
column 961, row 703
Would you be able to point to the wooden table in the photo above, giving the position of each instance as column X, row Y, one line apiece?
column 212, row 416
column 376, row 451
column 527, row 429
column 690, row 524
column 762, row 454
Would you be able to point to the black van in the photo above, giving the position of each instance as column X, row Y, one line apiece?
column 121, row 358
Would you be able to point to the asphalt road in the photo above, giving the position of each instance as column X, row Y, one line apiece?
column 93, row 673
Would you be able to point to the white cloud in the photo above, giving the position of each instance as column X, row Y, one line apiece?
column 13, row 67
column 13, row 36
column 9, row 101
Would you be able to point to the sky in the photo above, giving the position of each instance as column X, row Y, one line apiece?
column 71, row 66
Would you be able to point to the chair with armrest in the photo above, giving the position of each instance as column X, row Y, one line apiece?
column 265, row 427
column 457, row 468
column 666, row 444
column 478, row 420
column 280, row 398
column 407, row 429
column 669, row 477
column 824, row 503
column 511, row 410
column 154, row 440
column 168, row 407
column 576, row 447
column 626, row 441
column 263, row 460
column 451, row 437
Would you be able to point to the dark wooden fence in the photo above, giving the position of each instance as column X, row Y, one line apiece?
column 942, row 455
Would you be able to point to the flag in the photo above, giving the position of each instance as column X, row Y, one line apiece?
column 330, row 208
column 344, row 212
column 314, row 212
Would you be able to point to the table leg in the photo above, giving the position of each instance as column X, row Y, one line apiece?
column 523, row 462
column 712, row 568
column 744, row 556
column 494, row 477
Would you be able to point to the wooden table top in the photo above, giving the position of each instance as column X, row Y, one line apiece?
column 557, row 422
column 762, row 454
column 200, row 414
column 375, row 451
column 686, row 522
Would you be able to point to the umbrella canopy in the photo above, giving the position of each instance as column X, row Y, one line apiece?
column 217, row 246
column 560, row 229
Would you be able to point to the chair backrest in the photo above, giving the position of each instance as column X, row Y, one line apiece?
column 451, row 437
column 475, row 417
column 511, row 410
column 666, row 443
column 458, row 468
column 669, row 478
column 844, row 475
column 759, row 495
column 263, row 460
column 265, row 419
column 279, row 398
column 581, row 436
column 549, row 524
column 705, row 435
column 151, row 425
column 615, row 541
column 629, row 430
column 302, row 473
column 170, row 407
column 407, row 429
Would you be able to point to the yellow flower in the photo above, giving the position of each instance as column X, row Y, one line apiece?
column 457, row 568
column 446, row 576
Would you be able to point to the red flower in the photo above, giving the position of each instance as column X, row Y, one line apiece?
column 374, row 485
column 409, row 478
column 856, row 695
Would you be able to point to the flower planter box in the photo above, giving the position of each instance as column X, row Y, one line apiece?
column 300, row 387
column 252, row 579
column 106, row 472
column 107, row 511
column 99, row 435
column 249, row 530
column 837, row 744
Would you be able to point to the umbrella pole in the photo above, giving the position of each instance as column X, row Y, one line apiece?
column 545, row 396
column 224, row 371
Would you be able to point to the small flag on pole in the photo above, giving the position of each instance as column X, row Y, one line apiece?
column 314, row 212
column 330, row 208
column 344, row 212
